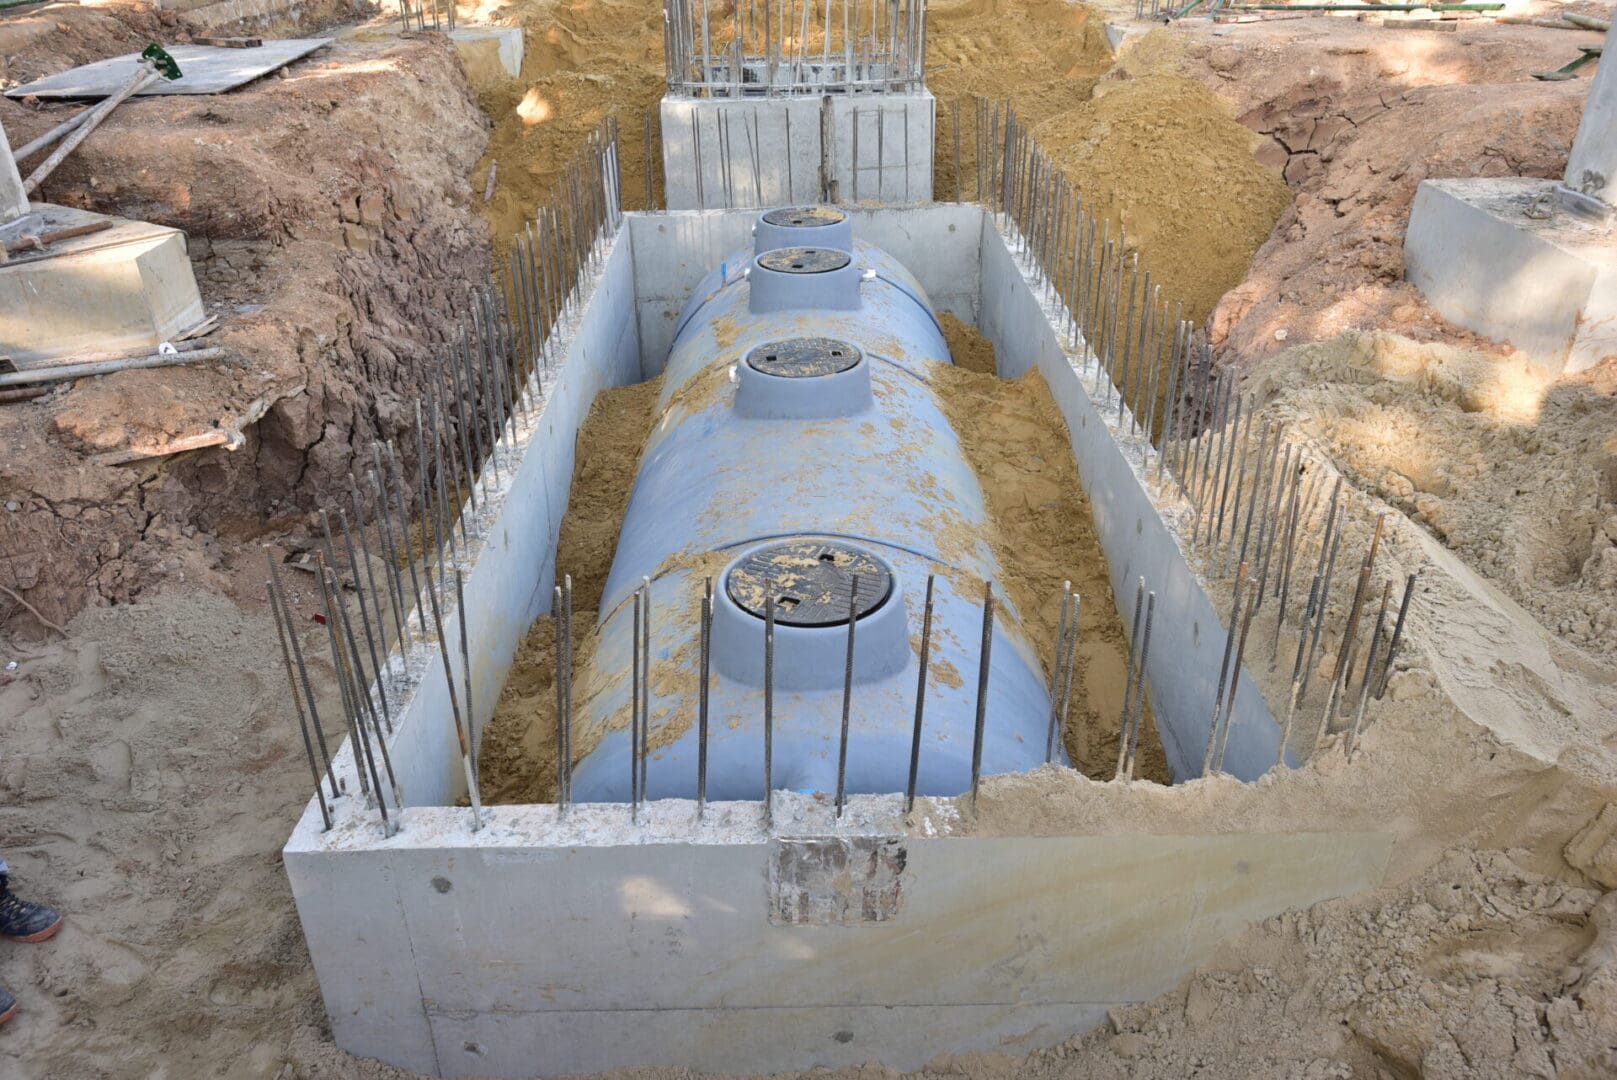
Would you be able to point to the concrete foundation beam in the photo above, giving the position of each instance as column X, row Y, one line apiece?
column 749, row 152
column 1502, row 258
column 121, row 288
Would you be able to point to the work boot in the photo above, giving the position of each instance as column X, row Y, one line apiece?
column 24, row 920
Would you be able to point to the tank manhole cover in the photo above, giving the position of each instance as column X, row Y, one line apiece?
column 803, row 358
column 810, row 580
column 804, row 260
column 805, row 217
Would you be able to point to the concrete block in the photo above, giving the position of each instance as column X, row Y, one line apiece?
column 126, row 287
column 492, row 54
column 1548, row 285
column 752, row 152
column 1591, row 167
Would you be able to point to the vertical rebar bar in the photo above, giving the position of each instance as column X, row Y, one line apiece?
column 920, row 696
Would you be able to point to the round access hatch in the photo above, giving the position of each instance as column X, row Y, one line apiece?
column 805, row 217
column 803, row 358
column 804, row 260
column 811, row 581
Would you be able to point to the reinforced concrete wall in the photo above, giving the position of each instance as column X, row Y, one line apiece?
column 773, row 151
column 1187, row 643
column 543, row 943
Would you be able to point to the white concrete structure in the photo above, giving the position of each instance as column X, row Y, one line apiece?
column 13, row 200
column 728, row 152
column 121, row 288
column 549, row 944
column 1530, row 262
column 1591, row 168
column 1547, row 285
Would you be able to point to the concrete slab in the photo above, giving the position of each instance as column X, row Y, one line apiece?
column 1547, row 285
column 492, row 55
column 125, row 287
column 583, row 944
column 204, row 69
column 753, row 152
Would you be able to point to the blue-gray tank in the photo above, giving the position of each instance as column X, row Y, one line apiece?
column 798, row 447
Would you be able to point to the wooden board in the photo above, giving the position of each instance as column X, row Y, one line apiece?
column 205, row 70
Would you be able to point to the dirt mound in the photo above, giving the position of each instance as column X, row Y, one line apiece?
column 1042, row 532
column 1515, row 472
column 583, row 60
column 330, row 230
column 1161, row 156
column 517, row 762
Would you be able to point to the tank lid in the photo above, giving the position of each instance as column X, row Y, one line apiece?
column 811, row 581
column 804, row 357
column 804, row 260
column 805, row 217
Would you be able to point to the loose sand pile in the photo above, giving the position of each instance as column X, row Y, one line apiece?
column 1042, row 532
column 517, row 762
column 1514, row 471
column 1167, row 162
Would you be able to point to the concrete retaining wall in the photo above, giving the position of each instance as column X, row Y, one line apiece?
column 1187, row 638
column 554, row 947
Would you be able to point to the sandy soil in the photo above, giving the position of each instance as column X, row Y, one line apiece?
column 331, row 232
column 518, row 763
column 1043, row 534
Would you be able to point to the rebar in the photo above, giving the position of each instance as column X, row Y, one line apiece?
column 1224, row 668
column 1128, row 678
column 982, row 691
column 1397, row 635
column 1138, row 719
column 1369, row 671
column 920, row 696
column 276, row 604
column 701, row 697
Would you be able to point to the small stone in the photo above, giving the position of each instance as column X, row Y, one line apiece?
column 13, row 505
column 1282, row 334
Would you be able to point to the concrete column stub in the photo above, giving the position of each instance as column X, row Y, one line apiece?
column 1591, row 168
column 13, row 200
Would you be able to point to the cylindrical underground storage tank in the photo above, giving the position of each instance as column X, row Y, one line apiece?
column 798, row 445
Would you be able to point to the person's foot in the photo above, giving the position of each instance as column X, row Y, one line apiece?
column 24, row 920
column 8, row 1005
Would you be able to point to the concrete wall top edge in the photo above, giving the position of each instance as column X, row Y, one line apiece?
column 673, row 822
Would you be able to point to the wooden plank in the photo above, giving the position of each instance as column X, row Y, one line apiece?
column 205, row 70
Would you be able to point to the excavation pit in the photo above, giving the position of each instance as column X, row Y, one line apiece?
column 513, row 938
